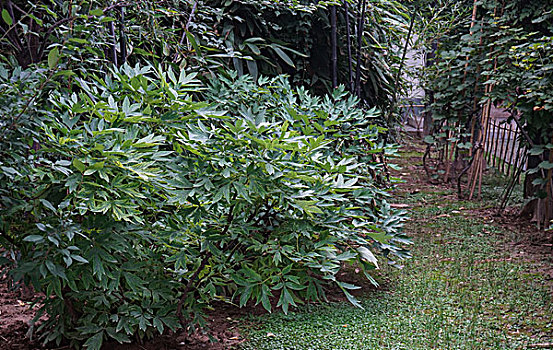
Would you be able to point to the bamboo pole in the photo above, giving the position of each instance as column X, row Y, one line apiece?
column 472, row 24
column 348, row 44
column 512, row 141
column 488, row 144
column 122, row 36
column 361, row 26
column 334, row 47
column 472, row 184
column 404, row 55
column 516, row 165
column 485, row 123
column 496, row 141
column 401, row 64
column 502, row 150
column 477, row 175
column 500, row 141
column 486, row 115
column 492, row 143
column 449, row 158
column 113, row 48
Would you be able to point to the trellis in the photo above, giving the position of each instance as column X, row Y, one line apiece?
column 503, row 149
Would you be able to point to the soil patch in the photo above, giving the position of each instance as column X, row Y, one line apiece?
column 15, row 314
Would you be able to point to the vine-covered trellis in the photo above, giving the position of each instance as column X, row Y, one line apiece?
column 499, row 56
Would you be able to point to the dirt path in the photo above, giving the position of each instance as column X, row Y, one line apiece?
column 522, row 241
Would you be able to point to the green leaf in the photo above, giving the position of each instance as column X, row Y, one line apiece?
column 368, row 256
column 309, row 207
column 96, row 12
column 97, row 266
column 252, row 68
column 95, row 342
column 89, row 172
column 6, row 17
column 53, row 58
column 79, row 165
column 286, row 299
column 79, row 40
column 57, row 287
column 348, row 286
column 79, row 259
column 536, row 151
column 192, row 40
column 56, row 270
column 158, row 324
column 245, row 296
column 47, row 204
column 265, row 293
column 143, row 323
column 120, row 337
column 34, row 238
column 133, row 281
column 351, row 298
column 254, row 276
column 283, row 55
column 107, row 19
column 546, row 165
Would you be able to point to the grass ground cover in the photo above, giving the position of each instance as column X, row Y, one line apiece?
column 464, row 289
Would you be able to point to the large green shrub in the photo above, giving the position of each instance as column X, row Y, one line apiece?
column 131, row 205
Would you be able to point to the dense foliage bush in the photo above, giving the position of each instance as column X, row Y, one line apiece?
column 132, row 206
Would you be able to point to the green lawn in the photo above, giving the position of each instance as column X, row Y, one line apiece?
column 460, row 291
